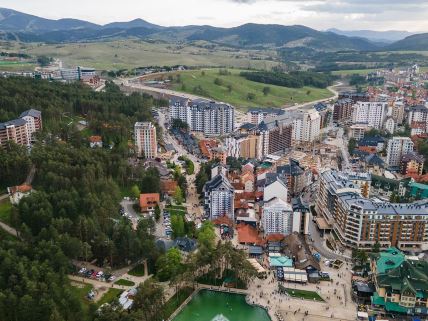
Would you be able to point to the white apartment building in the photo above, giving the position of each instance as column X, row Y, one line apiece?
column 397, row 147
column 373, row 114
column 418, row 119
column 219, row 196
column 209, row 117
column 277, row 217
column 390, row 125
column 145, row 140
column 306, row 126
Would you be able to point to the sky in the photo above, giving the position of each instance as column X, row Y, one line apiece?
column 407, row 15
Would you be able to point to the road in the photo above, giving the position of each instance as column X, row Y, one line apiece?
column 309, row 105
column 192, row 200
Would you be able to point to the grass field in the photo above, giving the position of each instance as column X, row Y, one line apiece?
column 238, row 96
column 81, row 292
column 109, row 296
column 303, row 294
column 138, row 270
column 5, row 211
column 16, row 66
column 133, row 53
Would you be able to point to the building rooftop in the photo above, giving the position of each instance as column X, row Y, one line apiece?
column 31, row 112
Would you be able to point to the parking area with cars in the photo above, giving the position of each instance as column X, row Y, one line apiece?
column 96, row 275
column 167, row 223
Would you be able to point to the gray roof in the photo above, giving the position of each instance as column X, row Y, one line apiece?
column 14, row 122
column 374, row 159
column 218, row 182
column 31, row 112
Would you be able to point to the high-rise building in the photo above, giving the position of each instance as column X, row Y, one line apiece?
column 306, row 126
column 418, row 119
column 145, row 140
column 372, row 114
column 361, row 222
column 398, row 112
column 208, row 117
column 21, row 130
column 34, row 121
column 277, row 217
column 396, row 148
column 219, row 197
column 342, row 110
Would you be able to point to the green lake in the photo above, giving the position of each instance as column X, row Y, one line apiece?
column 209, row 305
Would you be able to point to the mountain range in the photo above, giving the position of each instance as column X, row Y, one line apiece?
column 19, row 26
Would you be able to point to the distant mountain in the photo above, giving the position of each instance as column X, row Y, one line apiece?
column 23, row 27
column 278, row 35
column 415, row 42
column 137, row 23
column 377, row 36
column 14, row 21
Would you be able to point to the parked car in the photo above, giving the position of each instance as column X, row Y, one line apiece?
column 82, row 270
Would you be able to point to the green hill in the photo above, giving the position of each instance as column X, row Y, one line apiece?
column 203, row 83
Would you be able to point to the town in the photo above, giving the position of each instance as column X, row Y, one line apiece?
column 328, row 202
column 197, row 173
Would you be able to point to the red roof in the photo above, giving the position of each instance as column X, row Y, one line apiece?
column 248, row 234
column 95, row 139
column 149, row 200
column 276, row 237
column 21, row 188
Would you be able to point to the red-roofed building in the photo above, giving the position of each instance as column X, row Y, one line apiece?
column 95, row 141
column 16, row 193
column 149, row 201
column 248, row 235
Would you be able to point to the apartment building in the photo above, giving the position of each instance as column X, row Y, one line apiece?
column 360, row 222
column 21, row 130
column 208, row 117
column 257, row 115
column 418, row 119
column 33, row 118
column 396, row 148
column 219, row 198
column 398, row 112
column 277, row 217
column 306, row 126
column 372, row 114
column 245, row 146
column 342, row 110
column 412, row 164
column 145, row 140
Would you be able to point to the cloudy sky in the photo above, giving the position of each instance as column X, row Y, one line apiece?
column 408, row 15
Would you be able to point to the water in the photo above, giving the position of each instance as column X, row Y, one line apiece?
column 219, row 306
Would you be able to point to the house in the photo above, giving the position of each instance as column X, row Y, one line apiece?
column 168, row 186
column 16, row 193
column 95, row 141
column 149, row 201
column 297, row 249
column 247, row 179
column 274, row 187
column 401, row 283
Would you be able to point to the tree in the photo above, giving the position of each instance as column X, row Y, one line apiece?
column 148, row 299
column 178, row 196
column 177, row 226
column 251, row 96
column 229, row 88
column 169, row 265
column 135, row 192
column 376, row 247
column 157, row 212
column 266, row 90
column 352, row 144
column 218, row 82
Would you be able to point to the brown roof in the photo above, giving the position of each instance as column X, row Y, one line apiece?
column 276, row 237
column 168, row 186
column 223, row 220
column 295, row 247
column 21, row 188
column 248, row 234
column 149, row 199
column 95, row 139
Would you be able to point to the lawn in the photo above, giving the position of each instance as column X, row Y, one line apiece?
column 109, row 296
column 240, row 88
column 176, row 210
column 5, row 211
column 303, row 294
column 81, row 292
column 175, row 301
column 16, row 66
column 124, row 282
column 137, row 270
